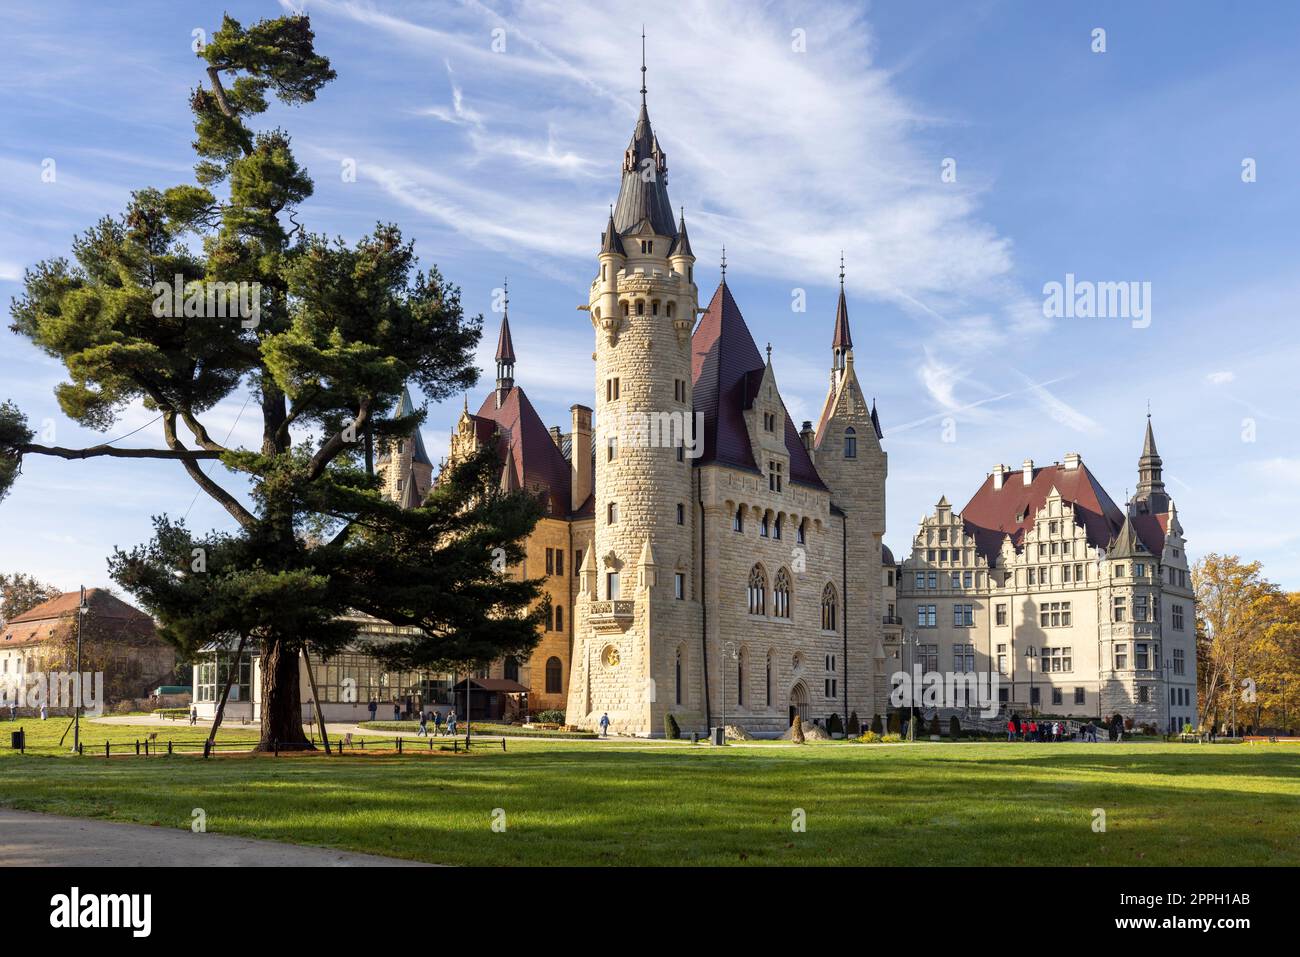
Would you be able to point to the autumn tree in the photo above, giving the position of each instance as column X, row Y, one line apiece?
column 325, row 337
column 20, row 592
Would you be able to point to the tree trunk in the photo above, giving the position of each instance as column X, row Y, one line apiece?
column 281, row 702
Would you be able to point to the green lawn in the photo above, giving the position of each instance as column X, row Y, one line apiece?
column 570, row 802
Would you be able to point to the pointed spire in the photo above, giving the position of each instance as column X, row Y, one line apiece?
column 1149, row 442
column 682, row 244
column 643, row 193
column 843, row 339
column 1150, row 495
column 610, row 241
column 505, row 345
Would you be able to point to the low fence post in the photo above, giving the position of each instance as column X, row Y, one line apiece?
column 399, row 744
column 276, row 745
column 169, row 746
column 503, row 743
column 105, row 749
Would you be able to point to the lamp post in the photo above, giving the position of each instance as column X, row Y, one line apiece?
column 728, row 650
column 1029, row 664
column 82, row 608
column 910, row 639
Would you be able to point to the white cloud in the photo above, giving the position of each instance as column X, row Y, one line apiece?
column 1220, row 378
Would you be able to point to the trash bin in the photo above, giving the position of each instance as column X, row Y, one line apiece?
column 717, row 736
column 16, row 740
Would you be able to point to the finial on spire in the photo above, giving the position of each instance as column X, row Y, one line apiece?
column 643, row 64
column 505, row 296
column 724, row 264
column 769, row 353
column 841, row 270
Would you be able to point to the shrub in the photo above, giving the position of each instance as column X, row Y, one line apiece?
column 895, row 723
column 834, row 725
column 854, row 729
column 553, row 716
column 891, row 738
column 877, row 725
column 869, row 738
column 796, row 730
column 671, row 729
column 954, row 728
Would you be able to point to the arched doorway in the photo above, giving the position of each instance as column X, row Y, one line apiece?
column 798, row 701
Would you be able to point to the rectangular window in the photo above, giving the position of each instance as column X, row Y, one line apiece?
column 1141, row 656
column 1079, row 696
column 1118, row 614
column 550, row 561
column 963, row 616
column 681, row 514
column 611, row 586
column 577, row 561
column 932, row 580
column 1178, row 617
column 559, row 561
column 1139, row 607
column 1056, row 696
column 967, row 579
column 611, row 390
column 679, row 586
column 1033, row 575
column 963, row 658
column 1180, row 664
column 1002, row 614
column 920, row 579
column 1002, row 659
column 1078, row 573
column 927, row 656
column 1121, row 656
column 925, row 616
column 1065, row 574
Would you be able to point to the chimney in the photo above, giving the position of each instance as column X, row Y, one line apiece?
column 806, row 435
column 556, row 436
column 999, row 475
column 1072, row 461
column 581, row 467
column 1029, row 471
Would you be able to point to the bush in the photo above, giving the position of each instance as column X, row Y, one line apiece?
column 891, row 738
column 834, row 725
column 954, row 728
column 869, row 738
column 671, row 729
column 854, row 729
column 877, row 725
column 895, row 723
column 552, row 716
column 796, row 730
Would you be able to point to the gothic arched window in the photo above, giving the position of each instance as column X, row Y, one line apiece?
column 554, row 676
column 850, row 443
column 830, row 604
column 781, row 595
column 757, row 591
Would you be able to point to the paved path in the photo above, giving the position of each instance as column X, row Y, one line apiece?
column 29, row 839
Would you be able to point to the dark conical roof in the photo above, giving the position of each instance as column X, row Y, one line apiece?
column 843, row 338
column 505, row 345
column 1127, row 543
column 406, row 407
column 682, row 244
column 643, row 194
column 1149, row 442
column 610, row 241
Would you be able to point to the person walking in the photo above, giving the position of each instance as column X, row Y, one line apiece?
column 424, row 725
column 397, row 711
column 1011, row 731
column 604, row 725
column 45, row 711
column 374, row 708
column 451, row 723
column 437, row 722
column 194, row 715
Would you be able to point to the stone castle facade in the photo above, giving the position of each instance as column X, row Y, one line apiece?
column 707, row 559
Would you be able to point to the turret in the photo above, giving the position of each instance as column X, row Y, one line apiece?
column 1150, row 496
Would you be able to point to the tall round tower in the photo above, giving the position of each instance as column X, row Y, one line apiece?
column 637, row 582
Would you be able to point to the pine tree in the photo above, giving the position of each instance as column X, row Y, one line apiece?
column 325, row 339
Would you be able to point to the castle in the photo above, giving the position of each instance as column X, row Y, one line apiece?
column 706, row 558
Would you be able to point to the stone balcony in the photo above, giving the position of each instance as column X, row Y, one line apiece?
column 610, row 615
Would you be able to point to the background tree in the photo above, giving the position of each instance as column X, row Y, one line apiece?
column 1235, row 608
column 20, row 592
column 334, row 334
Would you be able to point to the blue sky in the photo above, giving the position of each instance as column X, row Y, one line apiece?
column 1117, row 166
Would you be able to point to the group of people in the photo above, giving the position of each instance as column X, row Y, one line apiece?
column 1031, row 729
column 436, row 718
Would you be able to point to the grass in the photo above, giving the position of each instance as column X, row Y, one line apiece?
column 661, row 803
column 488, row 728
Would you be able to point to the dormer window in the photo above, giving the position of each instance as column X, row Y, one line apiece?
column 647, row 246
column 769, row 422
column 850, row 443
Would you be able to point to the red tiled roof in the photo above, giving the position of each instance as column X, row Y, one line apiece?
column 1152, row 529
column 525, row 442
column 505, row 345
column 726, row 369
column 1010, row 510
column 37, row 624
